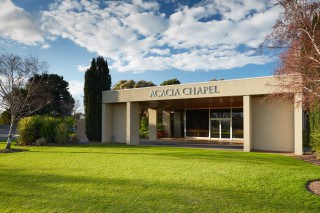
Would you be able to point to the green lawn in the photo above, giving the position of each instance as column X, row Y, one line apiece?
column 120, row 178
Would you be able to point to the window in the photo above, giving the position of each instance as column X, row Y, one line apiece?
column 197, row 123
column 220, row 113
column 237, row 123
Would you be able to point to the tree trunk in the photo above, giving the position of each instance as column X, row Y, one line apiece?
column 8, row 146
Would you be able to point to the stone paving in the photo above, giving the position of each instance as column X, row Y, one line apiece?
column 195, row 143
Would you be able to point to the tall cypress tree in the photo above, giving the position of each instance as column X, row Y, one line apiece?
column 97, row 79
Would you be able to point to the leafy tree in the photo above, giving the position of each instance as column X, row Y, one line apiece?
column 124, row 84
column 297, row 34
column 56, row 88
column 129, row 84
column 97, row 79
column 170, row 82
column 19, row 95
column 143, row 83
column 5, row 117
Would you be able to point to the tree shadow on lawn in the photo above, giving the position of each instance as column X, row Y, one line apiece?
column 171, row 152
column 31, row 190
column 184, row 153
column 12, row 150
column 174, row 152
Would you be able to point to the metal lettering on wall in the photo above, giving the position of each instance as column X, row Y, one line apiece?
column 184, row 91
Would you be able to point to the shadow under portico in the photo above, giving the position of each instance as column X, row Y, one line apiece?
column 190, row 122
column 194, row 103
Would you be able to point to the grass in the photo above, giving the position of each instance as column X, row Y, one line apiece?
column 120, row 178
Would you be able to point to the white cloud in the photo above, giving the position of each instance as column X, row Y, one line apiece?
column 18, row 25
column 45, row 46
column 76, row 88
column 137, row 37
column 82, row 68
column 147, row 23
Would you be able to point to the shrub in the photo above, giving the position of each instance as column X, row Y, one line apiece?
column 70, row 121
column 45, row 129
column 48, row 128
column 73, row 138
column 144, row 127
column 314, row 121
column 28, row 129
column 41, row 141
column 62, row 133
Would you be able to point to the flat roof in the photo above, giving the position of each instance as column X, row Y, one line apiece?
column 211, row 89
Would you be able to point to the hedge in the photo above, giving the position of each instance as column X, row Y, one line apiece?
column 314, row 122
column 45, row 129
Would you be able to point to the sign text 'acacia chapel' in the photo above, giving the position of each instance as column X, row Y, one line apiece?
column 184, row 91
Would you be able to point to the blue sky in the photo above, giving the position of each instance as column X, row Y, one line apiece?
column 192, row 40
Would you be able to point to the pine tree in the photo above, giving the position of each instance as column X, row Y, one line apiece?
column 97, row 79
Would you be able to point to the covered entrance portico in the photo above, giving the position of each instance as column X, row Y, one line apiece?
column 204, row 118
column 217, row 110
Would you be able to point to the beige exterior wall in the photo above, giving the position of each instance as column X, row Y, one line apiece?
column 107, row 123
column 119, row 123
column 247, row 123
column 81, row 130
column 225, row 88
column 272, row 125
column 152, row 124
column 132, row 123
column 298, row 124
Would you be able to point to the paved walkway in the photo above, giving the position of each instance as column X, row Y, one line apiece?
column 4, row 130
column 194, row 143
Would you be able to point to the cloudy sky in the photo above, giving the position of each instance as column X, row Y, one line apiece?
column 192, row 40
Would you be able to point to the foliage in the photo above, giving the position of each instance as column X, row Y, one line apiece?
column 28, row 129
column 62, row 133
column 57, row 89
column 5, row 117
column 143, row 83
column 129, row 84
column 297, row 34
column 160, row 126
column 144, row 127
column 124, row 84
column 314, row 121
column 41, row 141
column 170, row 82
column 306, row 138
column 97, row 79
column 17, row 94
column 48, row 129
column 153, row 179
column 73, row 138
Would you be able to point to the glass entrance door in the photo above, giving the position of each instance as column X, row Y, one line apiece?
column 225, row 128
column 221, row 128
column 215, row 129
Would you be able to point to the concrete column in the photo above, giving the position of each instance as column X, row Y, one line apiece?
column 166, row 122
column 152, row 124
column 106, row 123
column 132, row 123
column 298, row 124
column 177, row 124
column 247, row 124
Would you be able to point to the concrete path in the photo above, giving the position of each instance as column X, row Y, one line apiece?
column 195, row 144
